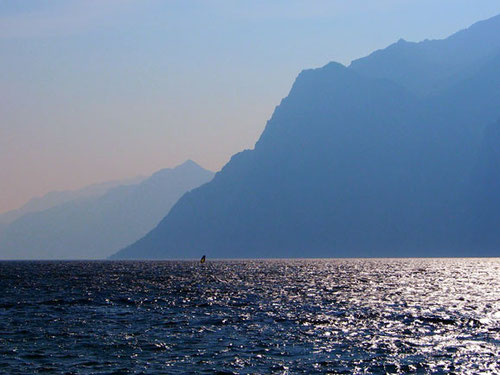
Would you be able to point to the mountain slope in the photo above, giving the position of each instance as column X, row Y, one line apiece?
column 354, row 162
column 480, row 218
column 431, row 65
column 97, row 227
column 56, row 198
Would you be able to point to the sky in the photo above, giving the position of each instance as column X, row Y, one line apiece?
column 98, row 90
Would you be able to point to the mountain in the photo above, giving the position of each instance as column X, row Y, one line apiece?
column 96, row 227
column 480, row 214
column 56, row 198
column 431, row 65
column 385, row 157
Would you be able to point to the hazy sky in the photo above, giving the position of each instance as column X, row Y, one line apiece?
column 95, row 90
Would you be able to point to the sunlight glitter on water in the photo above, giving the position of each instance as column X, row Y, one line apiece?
column 297, row 316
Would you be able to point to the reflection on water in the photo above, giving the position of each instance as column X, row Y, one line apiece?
column 286, row 316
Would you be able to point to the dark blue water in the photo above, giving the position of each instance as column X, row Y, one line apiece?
column 266, row 317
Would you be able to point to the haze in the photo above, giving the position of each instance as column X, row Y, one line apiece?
column 101, row 90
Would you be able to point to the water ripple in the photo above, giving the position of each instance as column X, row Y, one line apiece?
column 236, row 317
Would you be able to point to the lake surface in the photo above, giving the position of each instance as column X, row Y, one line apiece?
column 372, row 316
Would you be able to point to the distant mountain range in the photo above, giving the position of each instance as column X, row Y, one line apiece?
column 395, row 155
column 56, row 198
column 96, row 221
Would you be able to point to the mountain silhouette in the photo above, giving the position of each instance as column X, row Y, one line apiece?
column 95, row 227
column 56, row 198
column 431, row 65
column 382, row 158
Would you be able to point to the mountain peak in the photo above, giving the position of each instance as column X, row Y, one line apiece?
column 188, row 163
column 189, row 167
column 429, row 66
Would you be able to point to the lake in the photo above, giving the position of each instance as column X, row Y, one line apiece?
column 371, row 316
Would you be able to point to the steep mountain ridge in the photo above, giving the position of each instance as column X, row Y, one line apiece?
column 355, row 161
column 431, row 65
